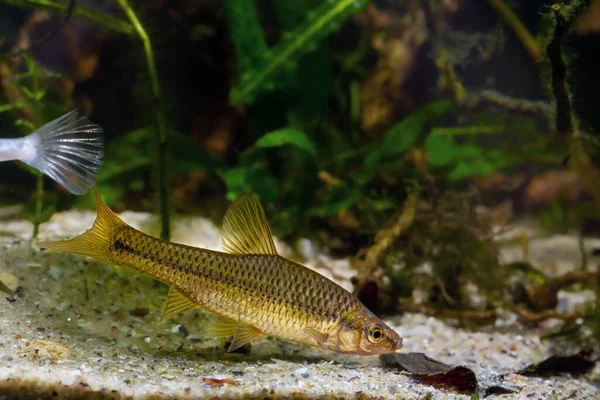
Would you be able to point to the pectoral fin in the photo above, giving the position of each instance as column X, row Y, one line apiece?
column 176, row 303
column 317, row 337
column 222, row 327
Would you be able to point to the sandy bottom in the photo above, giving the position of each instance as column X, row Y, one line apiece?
column 79, row 328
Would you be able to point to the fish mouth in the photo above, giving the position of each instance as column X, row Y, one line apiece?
column 396, row 343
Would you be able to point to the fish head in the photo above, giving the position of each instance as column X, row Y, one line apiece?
column 366, row 334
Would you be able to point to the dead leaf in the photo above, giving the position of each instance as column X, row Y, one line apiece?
column 574, row 364
column 435, row 373
column 216, row 382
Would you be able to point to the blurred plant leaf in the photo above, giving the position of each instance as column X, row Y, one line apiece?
column 135, row 151
column 463, row 160
column 11, row 106
column 250, row 179
column 402, row 136
column 287, row 136
column 310, row 81
column 339, row 201
column 247, row 35
column 318, row 23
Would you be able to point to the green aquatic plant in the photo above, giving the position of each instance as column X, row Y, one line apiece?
column 283, row 57
column 160, row 122
column 31, row 87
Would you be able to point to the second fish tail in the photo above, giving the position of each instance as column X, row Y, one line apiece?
column 96, row 241
column 68, row 150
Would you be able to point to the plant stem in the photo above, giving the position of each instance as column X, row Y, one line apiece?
column 513, row 21
column 161, row 135
column 39, row 197
column 105, row 20
column 39, row 204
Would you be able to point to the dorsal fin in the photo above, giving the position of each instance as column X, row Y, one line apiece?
column 176, row 303
column 245, row 228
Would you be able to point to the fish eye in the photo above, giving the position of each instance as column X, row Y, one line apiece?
column 375, row 334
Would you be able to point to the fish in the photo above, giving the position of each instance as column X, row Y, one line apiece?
column 68, row 149
column 249, row 290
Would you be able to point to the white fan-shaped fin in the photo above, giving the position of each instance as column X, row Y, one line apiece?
column 68, row 150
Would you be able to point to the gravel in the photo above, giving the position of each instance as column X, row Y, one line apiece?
column 75, row 327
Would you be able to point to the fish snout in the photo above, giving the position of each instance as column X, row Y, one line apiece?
column 397, row 342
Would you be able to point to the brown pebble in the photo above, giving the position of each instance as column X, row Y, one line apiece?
column 140, row 312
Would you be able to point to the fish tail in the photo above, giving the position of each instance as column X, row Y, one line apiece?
column 96, row 241
column 68, row 150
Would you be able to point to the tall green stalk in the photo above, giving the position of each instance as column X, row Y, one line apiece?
column 161, row 134
column 39, row 197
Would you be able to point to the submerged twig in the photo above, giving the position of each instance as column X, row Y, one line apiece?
column 496, row 100
column 513, row 21
column 107, row 21
column 530, row 317
column 386, row 237
column 49, row 36
column 564, row 119
column 462, row 315
column 161, row 134
column 546, row 296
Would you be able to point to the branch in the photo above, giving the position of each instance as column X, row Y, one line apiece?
column 514, row 23
column 48, row 37
column 107, row 21
column 564, row 119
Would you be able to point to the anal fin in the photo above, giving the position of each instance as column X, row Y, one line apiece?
column 176, row 303
column 222, row 327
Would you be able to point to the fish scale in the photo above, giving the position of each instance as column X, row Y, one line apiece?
column 251, row 289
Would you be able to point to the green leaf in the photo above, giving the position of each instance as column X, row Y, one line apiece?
column 250, row 179
column 318, row 24
column 11, row 106
column 402, row 136
column 287, row 136
column 24, row 123
column 247, row 35
column 464, row 160
column 471, row 168
column 340, row 201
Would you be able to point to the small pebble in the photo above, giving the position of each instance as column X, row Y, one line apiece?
column 8, row 282
column 237, row 373
column 40, row 329
column 305, row 375
column 140, row 312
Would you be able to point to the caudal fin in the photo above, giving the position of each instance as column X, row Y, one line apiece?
column 95, row 241
column 68, row 150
